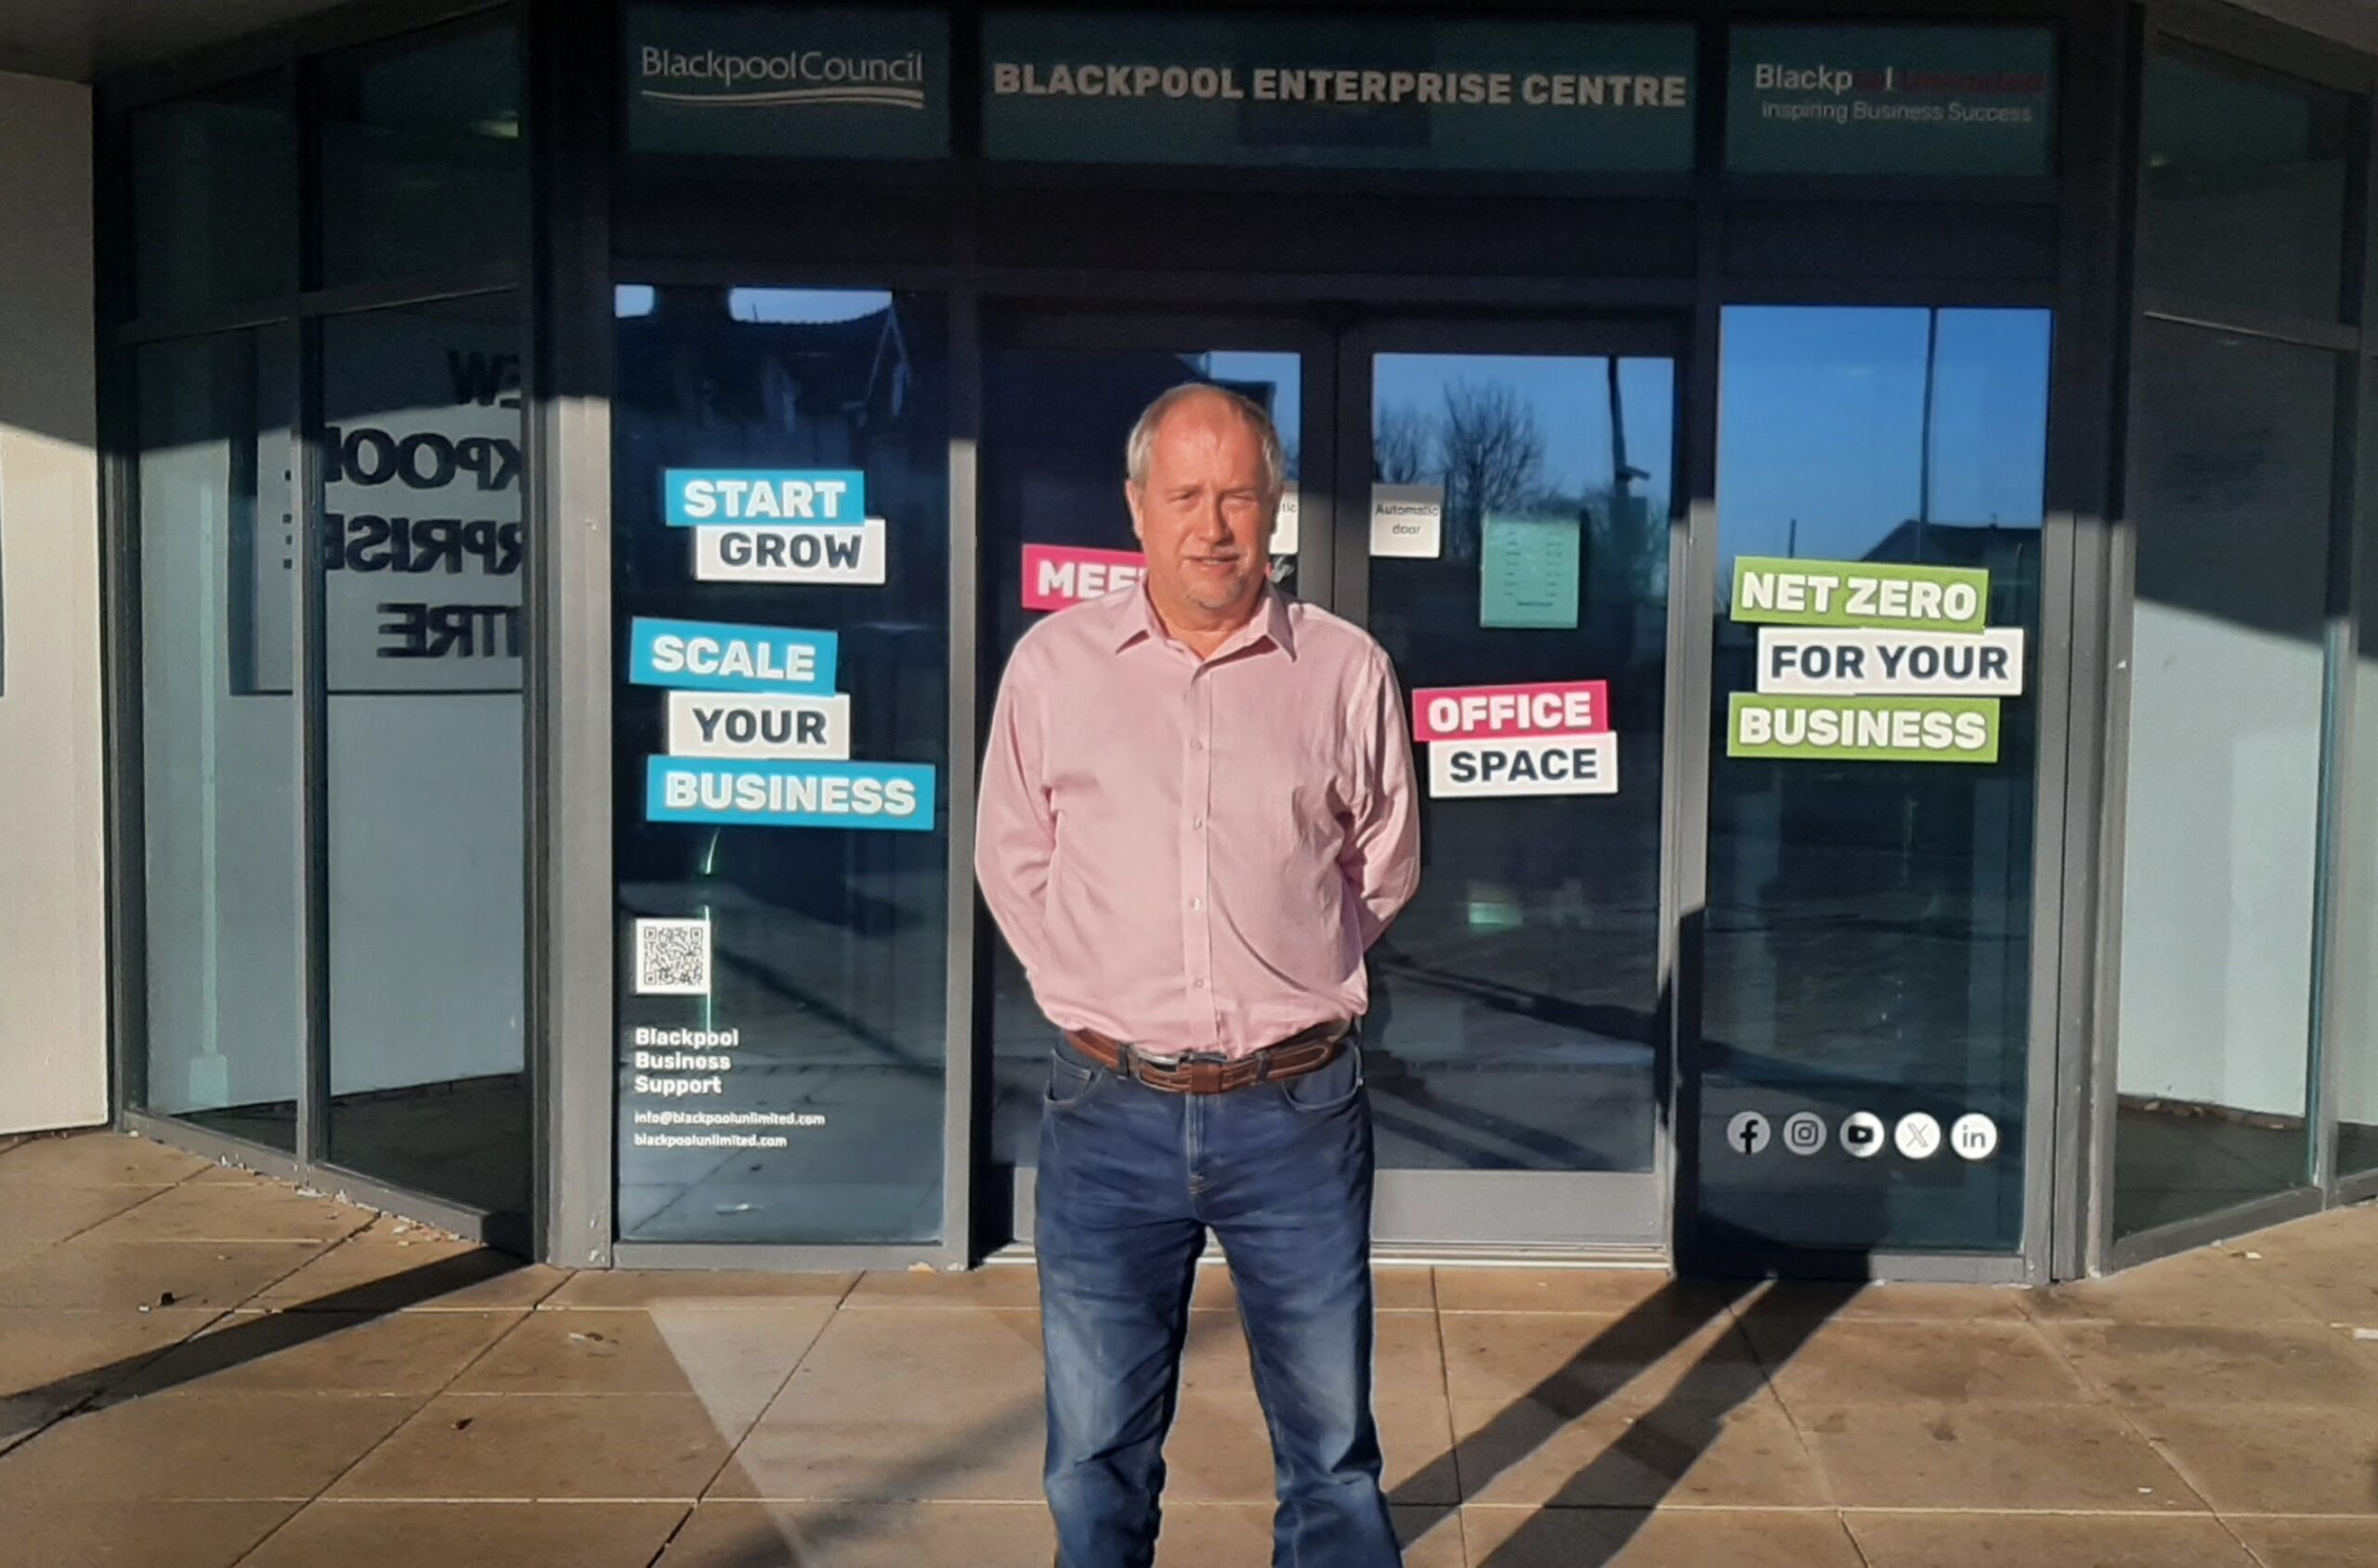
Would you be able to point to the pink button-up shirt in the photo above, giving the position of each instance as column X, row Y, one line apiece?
column 1194, row 855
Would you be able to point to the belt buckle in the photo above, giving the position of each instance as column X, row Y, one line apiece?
column 1137, row 1063
column 1178, row 1068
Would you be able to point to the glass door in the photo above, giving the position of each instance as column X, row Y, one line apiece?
column 1061, row 393
column 1492, row 502
column 1503, row 529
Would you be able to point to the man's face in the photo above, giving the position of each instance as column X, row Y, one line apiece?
column 1204, row 513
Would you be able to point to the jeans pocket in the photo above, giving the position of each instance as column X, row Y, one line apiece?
column 1070, row 1083
column 1334, row 1088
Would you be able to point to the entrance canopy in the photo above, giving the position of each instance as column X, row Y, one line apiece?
column 82, row 40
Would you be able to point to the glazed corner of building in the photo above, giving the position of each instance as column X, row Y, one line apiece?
column 331, row 792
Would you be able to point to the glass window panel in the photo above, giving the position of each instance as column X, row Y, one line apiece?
column 1057, row 422
column 219, row 734
column 2355, row 973
column 1493, row 1045
column 828, row 944
column 2245, row 186
column 2230, row 489
column 421, row 560
column 1868, row 935
column 424, row 170
column 214, row 199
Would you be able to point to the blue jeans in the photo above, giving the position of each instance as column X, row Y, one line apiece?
column 1129, row 1180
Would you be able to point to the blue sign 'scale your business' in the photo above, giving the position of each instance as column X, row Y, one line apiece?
column 693, row 498
column 790, row 794
column 712, row 655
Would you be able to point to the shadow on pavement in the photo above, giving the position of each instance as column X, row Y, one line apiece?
column 256, row 1336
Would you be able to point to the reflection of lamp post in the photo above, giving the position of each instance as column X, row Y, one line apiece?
column 1624, row 524
column 1622, row 474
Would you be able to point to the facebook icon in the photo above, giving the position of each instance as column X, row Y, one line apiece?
column 1747, row 1133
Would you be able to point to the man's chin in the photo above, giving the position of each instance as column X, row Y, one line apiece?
column 1216, row 602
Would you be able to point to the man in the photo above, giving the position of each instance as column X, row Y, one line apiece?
column 1198, row 813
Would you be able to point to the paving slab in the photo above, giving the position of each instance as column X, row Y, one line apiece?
column 1511, row 1537
column 2015, row 1540
column 235, row 1447
column 2070, row 1458
column 95, row 1159
column 91, row 1272
column 400, row 1534
column 2307, row 1543
column 137, row 1534
column 733, row 1361
column 320, row 1352
column 538, row 1447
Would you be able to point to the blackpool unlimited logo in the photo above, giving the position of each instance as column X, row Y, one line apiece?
column 727, row 79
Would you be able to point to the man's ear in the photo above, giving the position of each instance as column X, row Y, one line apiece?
column 1131, row 500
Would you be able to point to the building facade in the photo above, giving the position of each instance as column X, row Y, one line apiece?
column 512, row 518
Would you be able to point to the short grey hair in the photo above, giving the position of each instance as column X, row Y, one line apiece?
column 1138, row 450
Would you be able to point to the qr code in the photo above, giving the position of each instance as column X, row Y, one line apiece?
column 673, row 957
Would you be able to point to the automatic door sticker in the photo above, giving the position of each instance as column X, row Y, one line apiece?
column 1975, row 1136
column 1861, row 1134
column 1918, row 1136
column 1407, row 521
column 1747, row 1133
column 1805, row 1132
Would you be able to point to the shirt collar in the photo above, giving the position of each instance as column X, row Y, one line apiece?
column 1136, row 618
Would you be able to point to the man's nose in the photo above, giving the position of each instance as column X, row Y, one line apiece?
column 1211, row 525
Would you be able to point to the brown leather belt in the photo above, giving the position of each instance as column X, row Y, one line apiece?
column 1308, row 1051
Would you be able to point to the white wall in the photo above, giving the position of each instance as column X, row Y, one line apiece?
column 53, row 953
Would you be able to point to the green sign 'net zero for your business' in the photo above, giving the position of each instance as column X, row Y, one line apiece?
column 1868, row 662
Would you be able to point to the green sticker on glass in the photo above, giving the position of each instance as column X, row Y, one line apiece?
column 1527, row 573
column 1867, row 729
column 1774, row 591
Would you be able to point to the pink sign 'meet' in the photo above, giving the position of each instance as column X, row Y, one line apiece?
column 1547, row 708
column 1058, row 575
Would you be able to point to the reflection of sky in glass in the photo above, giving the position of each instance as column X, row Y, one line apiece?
column 1570, row 398
column 815, row 306
column 1821, row 423
column 1281, row 371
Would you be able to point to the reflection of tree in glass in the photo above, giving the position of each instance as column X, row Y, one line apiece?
column 1493, row 452
column 1403, row 445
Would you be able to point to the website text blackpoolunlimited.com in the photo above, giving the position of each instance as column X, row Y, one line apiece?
column 721, row 1123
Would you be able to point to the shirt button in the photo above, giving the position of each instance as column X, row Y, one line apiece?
column 1196, row 903
column 1197, row 745
column 1199, row 984
column 1197, row 822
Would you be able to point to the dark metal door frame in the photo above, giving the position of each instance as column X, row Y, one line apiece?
column 1335, row 342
